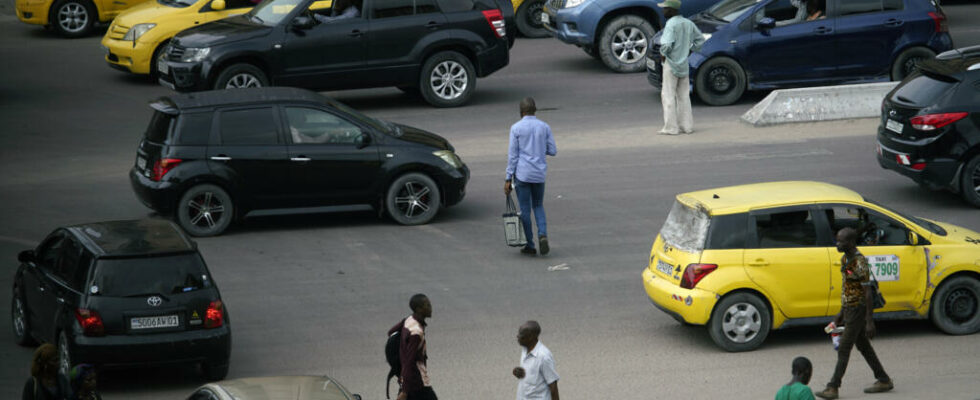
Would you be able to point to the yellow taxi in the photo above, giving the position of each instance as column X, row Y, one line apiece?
column 527, row 16
column 744, row 260
column 71, row 18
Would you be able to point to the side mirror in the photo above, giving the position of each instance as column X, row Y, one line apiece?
column 303, row 22
column 766, row 23
column 363, row 141
column 26, row 256
column 218, row 5
column 913, row 238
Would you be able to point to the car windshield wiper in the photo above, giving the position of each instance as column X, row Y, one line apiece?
column 256, row 18
column 711, row 16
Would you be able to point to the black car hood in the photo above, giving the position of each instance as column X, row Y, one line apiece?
column 231, row 29
column 416, row 135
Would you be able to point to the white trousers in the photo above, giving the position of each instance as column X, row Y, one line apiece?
column 676, row 98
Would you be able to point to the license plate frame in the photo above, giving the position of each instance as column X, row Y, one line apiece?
column 665, row 268
column 154, row 322
column 545, row 18
column 894, row 126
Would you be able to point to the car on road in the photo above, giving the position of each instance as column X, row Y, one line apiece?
column 275, row 388
column 121, row 293
column 70, row 18
column 208, row 158
column 616, row 32
column 527, row 17
column 744, row 260
column 763, row 45
column 436, row 48
column 930, row 124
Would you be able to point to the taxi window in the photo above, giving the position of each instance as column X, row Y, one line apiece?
column 727, row 232
column 873, row 228
column 785, row 229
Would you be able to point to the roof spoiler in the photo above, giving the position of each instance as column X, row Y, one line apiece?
column 164, row 105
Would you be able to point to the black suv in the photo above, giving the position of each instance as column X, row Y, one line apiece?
column 436, row 47
column 121, row 293
column 930, row 124
column 210, row 157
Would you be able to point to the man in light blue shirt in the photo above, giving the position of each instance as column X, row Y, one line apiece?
column 538, row 378
column 530, row 142
column 680, row 37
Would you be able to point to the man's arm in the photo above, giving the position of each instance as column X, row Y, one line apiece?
column 554, row 390
column 411, row 380
column 862, row 272
column 667, row 39
column 552, row 149
column 697, row 41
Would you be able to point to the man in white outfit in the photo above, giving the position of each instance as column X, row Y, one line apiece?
column 538, row 379
column 680, row 37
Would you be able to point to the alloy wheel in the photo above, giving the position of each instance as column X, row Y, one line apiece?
column 205, row 210
column 741, row 323
column 629, row 45
column 961, row 305
column 413, row 199
column 449, row 80
column 243, row 81
column 20, row 323
column 73, row 17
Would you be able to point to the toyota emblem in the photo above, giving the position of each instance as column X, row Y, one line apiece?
column 892, row 113
column 154, row 301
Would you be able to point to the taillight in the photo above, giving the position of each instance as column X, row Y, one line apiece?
column 215, row 315
column 90, row 321
column 694, row 273
column 919, row 166
column 162, row 166
column 496, row 21
column 932, row 122
column 939, row 21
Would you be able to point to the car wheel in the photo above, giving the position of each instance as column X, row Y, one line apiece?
column 19, row 322
column 740, row 322
column 906, row 61
column 239, row 76
column 720, row 81
column 205, row 210
column 215, row 371
column 73, row 18
column 970, row 185
column 448, row 79
column 64, row 354
column 956, row 306
column 529, row 19
column 623, row 44
column 413, row 199
column 154, row 73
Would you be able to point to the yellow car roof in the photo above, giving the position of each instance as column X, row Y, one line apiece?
column 742, row 198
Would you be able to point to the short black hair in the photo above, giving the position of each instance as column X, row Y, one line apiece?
column 849, row 233
column 801, row 365
column 416, row 301
column 532, row 327
column 528, row 107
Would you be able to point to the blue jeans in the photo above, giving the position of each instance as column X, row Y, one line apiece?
column 530, row 196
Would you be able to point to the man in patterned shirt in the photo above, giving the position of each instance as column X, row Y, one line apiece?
column 855, row 315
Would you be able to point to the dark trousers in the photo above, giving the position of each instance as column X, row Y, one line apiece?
column 425, row 393
column 855, row 319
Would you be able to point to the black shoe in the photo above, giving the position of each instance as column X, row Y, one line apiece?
column 543, row 244
column 529, row 251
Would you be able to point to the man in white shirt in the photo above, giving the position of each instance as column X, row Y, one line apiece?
column 538, row 379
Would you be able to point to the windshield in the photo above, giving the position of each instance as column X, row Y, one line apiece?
column 271, row 12
column 685, row 228
column 931, row 227
column 167, row 275
column 378, row 124
column 730, row 10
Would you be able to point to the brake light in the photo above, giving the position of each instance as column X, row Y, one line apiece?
column 90, row 321
column 162, row 166
column 919, row 166
column 496, row 21
column 694, row 273
column 939, row 20
column 215, row 315
column 932, row 122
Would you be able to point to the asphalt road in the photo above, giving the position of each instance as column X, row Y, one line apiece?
column 316, row 294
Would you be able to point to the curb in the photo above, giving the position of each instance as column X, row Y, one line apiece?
column 824, row 103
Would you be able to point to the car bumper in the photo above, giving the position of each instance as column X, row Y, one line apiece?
column 211, row 345
column 493, row 59
column 692, row 306
column 184, row 77
column 563, row 25
column 128, row 56
column 158, row 196
column 938, row 173
column 454, row 185
column 33, row 13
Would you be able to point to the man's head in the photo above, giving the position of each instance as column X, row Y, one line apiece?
column 420, row 306
column 527, row 334
column 671, row 8
column 846, row 239
column 802, row 369
column 528, row 107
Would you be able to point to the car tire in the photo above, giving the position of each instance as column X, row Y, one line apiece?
column 970, row 181
column 528, row 19
column 19, row 322
column 73, row 18
column 64, row 354
column 956, row 306
column 213, row 371
column 154, row 73
column 241, row 75
column 413, row 199
column 197, row 208
column 448, row 79
column 623, row 44
column 905, row 62
column 740, row 322
column 720, row 81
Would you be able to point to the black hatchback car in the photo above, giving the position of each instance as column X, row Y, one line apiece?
column 435, row 47
column 211, row 157
column 930, row 124
column 121, row 293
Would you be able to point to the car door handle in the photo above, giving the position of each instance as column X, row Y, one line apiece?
column 759, row 263
column 355, row 33
column 300, row 159
column 221, row 158
column 40, row 288
column 61, row 300
column 894, row 22
column 433, row 25
column 823, row 30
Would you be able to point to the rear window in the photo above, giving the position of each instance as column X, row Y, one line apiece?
column 160, row 126
column 130, row 277
column 923, row 90
column 685, row 228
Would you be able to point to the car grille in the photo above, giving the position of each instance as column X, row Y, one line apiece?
column 175, row 52
column 117, row 31
column 556, row 4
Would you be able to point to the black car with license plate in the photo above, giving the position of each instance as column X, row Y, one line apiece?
column 433, row 47
column 208, row 158
column 121, row 293
column 930, row 124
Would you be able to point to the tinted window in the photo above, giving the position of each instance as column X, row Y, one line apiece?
column 891, row 5
column 786, row 229
column 160, row 126
column 194, row 129
column 731, row 10
column 49, row 251
column 150, row 275
column 68, row 262
column 391, row 8
column 727, row 232
column 312, row 126
column 233, row 4
column 884, row 231
column 782, row 11
column 851, row 7
column 272, row 12
column 253, row 126
column 426, row 6
column 922, row 90
column 456, row 5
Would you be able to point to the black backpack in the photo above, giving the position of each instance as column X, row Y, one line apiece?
column 393, row 355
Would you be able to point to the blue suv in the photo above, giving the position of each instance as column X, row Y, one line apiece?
column 615, row 31
column 770, row 44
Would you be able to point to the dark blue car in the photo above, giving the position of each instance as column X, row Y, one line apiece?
column 770, row 44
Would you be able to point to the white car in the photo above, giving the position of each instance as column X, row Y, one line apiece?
column 275, row 388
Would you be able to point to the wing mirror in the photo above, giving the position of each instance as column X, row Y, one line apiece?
column 218, row 5
column 303, row 22
column 766, row 23
column 26, row 256
column 913, row 238
column 363, row 141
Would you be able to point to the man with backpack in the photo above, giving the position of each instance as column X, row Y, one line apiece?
column 410, row 366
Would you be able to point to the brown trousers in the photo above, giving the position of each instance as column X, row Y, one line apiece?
column 855, row 319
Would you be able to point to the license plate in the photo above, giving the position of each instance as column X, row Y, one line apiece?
column 665, row 268
column 545, row 19
column 162, row 66
column 141, row 162
column 164, row 321
column 894, row 126
column 651, row 64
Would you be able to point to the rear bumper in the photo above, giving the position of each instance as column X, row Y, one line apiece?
column 692, row 306
column 203, row 345
column 493, row 59
column 158, row 196
column 939, row 173
column 564, row 25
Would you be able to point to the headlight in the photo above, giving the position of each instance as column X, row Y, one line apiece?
column 137, row 30
column 449, row 157
column 573, row 3
column 706, row 36
column 195, row 54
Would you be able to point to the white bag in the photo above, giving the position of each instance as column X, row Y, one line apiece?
column 513, row 229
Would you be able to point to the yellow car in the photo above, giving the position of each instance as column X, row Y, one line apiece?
column 71, row 18
column 527, row 17
column 744, row 260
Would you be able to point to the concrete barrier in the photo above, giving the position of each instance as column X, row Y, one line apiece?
column 823, row 103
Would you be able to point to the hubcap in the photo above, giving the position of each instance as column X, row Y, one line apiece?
column 243, row 80
column 449, row 80
column 72, row 17
column 20, row 326
column 961, row 305
column 64, row 359
column 721, row 80
column 413, row 199
column 629, row 45
column 205, row 210
column 741, row 323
